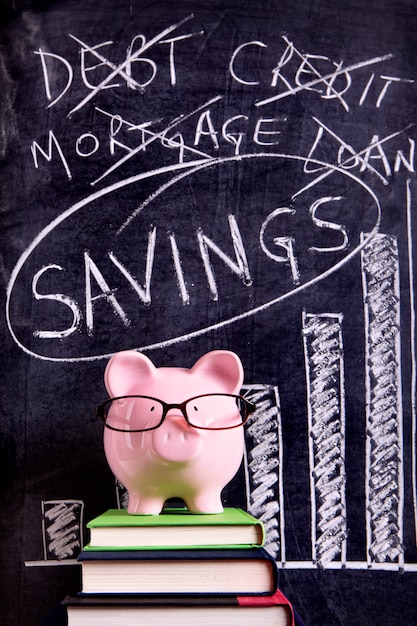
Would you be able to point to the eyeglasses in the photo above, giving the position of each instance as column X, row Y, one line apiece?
column 212, row 411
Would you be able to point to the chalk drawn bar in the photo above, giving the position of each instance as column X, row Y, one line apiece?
column 263, row 465
column 323, row 351
column 122, row 495
column 384, row 414
column 62, row 526
column 413, row 350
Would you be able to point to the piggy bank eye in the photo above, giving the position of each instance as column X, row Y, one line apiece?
column 146, row 413
column 217, row 411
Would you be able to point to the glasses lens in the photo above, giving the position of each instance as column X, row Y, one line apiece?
column 216, row 411
column 133, row 413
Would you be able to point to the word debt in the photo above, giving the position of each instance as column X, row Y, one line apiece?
column 278, row 248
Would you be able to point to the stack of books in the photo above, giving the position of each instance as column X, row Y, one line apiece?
column 186, row 568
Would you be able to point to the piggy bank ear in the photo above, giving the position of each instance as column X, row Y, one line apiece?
column 125, row 371
column 222, row 366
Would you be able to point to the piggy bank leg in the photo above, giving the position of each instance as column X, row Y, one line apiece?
column 205, row 502
column 141, row 505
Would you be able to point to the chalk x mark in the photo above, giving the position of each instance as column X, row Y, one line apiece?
column 144, row 129
column 355, row 155
column 159, row 135
column 118, row 71
column 329, row 84
column 327, row 77
column 120, row 68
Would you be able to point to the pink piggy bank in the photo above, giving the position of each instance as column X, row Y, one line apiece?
column 174, row 432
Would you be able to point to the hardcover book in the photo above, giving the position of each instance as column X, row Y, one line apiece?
column 274, row 610
column 174, row 528
column 232, row 571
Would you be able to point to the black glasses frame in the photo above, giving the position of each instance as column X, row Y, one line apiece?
column 101, row 411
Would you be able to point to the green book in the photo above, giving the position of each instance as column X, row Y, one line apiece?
column 116, row 529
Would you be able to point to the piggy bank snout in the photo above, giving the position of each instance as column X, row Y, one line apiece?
column 176, row 417
column 175, row 421
column 175, row 440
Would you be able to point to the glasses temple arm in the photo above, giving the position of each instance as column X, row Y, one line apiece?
column 251, row 407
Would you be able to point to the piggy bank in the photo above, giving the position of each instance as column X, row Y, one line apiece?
column 174, row 432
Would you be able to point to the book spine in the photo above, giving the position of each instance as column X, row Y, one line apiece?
column 272, row 600
column 169, row 554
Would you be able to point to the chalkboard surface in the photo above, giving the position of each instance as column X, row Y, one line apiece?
column 178, row 177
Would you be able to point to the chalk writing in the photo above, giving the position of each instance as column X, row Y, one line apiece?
column 310, row 72
column 120, row 72
column 206, row 137
column 291, row 255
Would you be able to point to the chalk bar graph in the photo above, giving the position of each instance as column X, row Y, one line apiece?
column 322, row 337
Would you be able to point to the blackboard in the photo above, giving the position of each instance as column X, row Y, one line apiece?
column 182, row 177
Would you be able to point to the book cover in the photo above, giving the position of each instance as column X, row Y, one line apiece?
column 274, row 610
column 231, row 571
column 117, row 529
